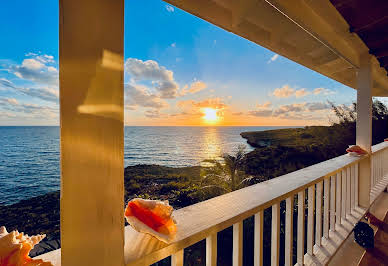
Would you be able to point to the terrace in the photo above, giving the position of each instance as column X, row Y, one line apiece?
column 343, row 40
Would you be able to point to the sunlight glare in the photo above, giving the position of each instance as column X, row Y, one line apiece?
column 210, row 115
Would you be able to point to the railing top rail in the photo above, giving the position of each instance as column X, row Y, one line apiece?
column 198, row 221
column 379, row 147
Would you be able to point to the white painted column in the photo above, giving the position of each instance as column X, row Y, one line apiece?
column 364, row 126
column 91, row 39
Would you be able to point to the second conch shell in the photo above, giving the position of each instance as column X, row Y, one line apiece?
column 15, row 247
column 153, row 217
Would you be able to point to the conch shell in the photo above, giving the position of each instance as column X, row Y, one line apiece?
column 152, row 217
column 15, row 246
column 355, row 150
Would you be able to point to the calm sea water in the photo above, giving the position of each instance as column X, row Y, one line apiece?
column 29, row 156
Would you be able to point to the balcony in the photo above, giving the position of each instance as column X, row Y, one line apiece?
column 332, row 194
column 338, row 191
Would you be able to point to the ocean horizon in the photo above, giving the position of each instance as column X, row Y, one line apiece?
column 29, row 155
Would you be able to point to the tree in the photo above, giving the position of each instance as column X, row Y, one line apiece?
column 227, row 175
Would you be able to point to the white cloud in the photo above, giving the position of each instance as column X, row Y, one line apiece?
column 284, row 92
column 273, row 58
column 162, row 78
column 261, row 113
column 287, row 92
column 37, row 70
column 153, row 114
column 296, row 111
column 137, row 95
column 323, row 91
column 195, row 87
column 173, row 45
column 170, row 8
column 32, row 64
column 267, row 104
column 301, row 93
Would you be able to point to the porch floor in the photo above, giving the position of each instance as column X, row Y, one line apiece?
column 351, row 254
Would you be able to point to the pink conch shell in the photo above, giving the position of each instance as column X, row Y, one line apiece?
column 355, row 150
column 153, row 217
column 15, row 246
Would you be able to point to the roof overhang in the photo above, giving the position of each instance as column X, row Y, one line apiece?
column 311, row 33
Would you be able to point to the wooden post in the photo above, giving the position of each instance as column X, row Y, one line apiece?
column 364, row 127
column 91, row 37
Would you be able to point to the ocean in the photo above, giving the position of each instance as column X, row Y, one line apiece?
column 29, row 156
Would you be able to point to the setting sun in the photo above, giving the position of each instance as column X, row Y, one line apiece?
column 210, row 115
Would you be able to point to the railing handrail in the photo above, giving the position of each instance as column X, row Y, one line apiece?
column 379, row 147
column 200, row 220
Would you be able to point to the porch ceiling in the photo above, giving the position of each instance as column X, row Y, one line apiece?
column 311, row 33
column 369, row 20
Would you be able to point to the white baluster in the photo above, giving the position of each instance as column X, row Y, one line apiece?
column 338, row 199
column 332, row 203
column 289, row 232
column 351, row 187
column 300, row 239
column 310, row 220
column 211, row 250
column 343, row 198
column 318, row 215
column 258, row 247
column 177, row 258
column 275, row 235
column 326, row 202
column 237, row 244
column 356, row 185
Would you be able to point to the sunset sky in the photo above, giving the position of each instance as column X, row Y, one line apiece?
column 179, row 70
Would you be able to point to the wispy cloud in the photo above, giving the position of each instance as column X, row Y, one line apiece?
column 273, row 58
column 195, row 87
column 45, row 93
column 170, row 8
column 296, row 111
column 286, row 92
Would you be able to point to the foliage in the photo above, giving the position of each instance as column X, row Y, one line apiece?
column 227, row 175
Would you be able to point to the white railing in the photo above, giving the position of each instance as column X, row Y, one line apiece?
column 331, row 189
column 379, row 165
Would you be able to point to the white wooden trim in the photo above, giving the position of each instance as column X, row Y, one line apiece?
column 177, row 258
column 343, row 201
column 211, row 250
column 310, row 219
column 338, row 211
column 348, row 191
column 275, row 235
column 238, row 244
column 300, row 238
column 318, row 214
column 289, row 231
column 326, row 204
column 258, row 241
column 356, row 181
column 352, row 189
column 332, row 203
